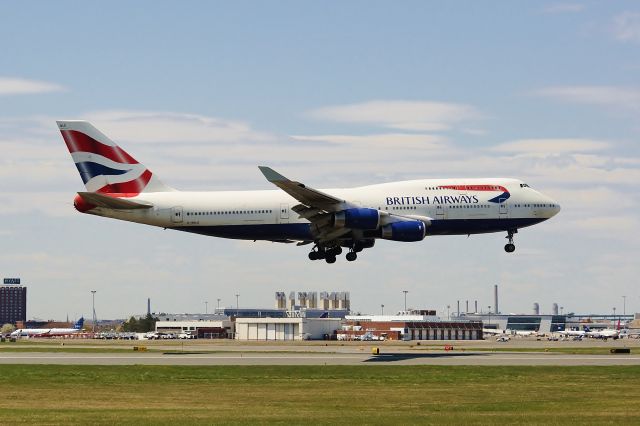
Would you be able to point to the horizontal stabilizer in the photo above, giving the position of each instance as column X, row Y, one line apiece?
column 108, row 202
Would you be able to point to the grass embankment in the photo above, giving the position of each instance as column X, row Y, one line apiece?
column 46, row 394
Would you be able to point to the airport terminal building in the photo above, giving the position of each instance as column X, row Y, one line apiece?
column 538, row 323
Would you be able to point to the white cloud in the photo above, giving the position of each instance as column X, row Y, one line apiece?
column 551, row 146
column 614, row 226
column 628, row 97
column 22, row 86
column 626, row 27
column 162, row 126
column 399, row 115
column 564, row 8
column 388, row 140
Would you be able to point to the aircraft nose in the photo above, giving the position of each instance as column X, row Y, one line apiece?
column 555, row 207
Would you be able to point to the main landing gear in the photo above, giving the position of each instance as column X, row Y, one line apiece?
column 510, row 247
column 330, row 254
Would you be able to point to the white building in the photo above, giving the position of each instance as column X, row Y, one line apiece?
column 285, row 328
column 216, row 329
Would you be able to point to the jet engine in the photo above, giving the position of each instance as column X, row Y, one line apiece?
column 408, row 231
column 359, row 218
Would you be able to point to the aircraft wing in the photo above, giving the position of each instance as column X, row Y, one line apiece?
column 315, row 206
column 303, row 193
column 108, row 202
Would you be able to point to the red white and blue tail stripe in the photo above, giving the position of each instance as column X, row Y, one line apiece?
column 105, row 167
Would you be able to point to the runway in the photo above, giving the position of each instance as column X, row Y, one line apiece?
column 248, row 358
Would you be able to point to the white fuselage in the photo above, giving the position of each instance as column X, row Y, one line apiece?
column 44, row 332
column 266, row 214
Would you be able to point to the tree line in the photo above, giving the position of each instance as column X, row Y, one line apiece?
column 141, row 325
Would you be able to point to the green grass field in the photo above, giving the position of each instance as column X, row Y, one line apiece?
column 45, row 394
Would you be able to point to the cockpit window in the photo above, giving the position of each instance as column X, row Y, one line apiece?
column 524, row 185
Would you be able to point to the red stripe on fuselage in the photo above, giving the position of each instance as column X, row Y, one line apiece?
column 127, row 189
column 475, row 187
column 79, row 142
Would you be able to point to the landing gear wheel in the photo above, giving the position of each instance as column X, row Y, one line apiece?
column 317, row 253
column 351, row 256
column 330, row 259
column 335, row 251
column 510, row 247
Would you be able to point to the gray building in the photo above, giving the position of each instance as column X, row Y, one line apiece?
column 13, row 301
column 538, row 323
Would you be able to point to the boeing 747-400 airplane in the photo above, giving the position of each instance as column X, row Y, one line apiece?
column 119, row 187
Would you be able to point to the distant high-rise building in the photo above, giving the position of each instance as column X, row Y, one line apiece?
column 13, row 301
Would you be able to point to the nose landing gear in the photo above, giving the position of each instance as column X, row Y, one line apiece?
column 510, row 247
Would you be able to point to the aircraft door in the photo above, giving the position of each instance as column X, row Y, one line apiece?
column 176, row 214
column 284, row 213
column 439, row 212
column 502, row 208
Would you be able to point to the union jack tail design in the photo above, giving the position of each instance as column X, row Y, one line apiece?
column 105, row 167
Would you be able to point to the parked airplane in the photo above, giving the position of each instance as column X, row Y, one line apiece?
column 48, row 332
column 580, row 333
column 606, row 333
column 119, row 187
column 524, row 333
column 493, row 331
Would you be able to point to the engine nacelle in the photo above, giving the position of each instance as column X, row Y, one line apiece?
column 408, row 231
column 360, row 218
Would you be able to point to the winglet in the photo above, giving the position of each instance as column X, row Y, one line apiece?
column 272, row 175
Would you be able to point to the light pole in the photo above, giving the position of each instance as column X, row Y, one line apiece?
column 382, row 308
column 237, row 304
column 448, row 316
column 218, row 309
column 206, row 307
column 489, row 322
column 624, row 305
column 93, row 308
column 405, row 299
column 561, row 309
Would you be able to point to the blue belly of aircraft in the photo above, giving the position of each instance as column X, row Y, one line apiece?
column 302, row 231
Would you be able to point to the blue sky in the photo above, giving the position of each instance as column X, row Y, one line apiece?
column 333, row 94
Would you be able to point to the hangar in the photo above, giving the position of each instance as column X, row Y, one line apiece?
column 286, row 328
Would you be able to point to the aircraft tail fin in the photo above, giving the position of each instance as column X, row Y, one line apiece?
column 78, row 325
column 105, row 167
